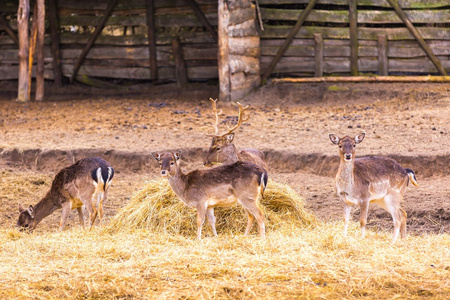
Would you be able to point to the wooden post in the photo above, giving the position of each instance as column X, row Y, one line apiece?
column 23, row 15
column 180, row 66
column 318, row 52
column 288, row 39
column 32, row 48
column 418, row 37
column 8, row 29
column 152, row 40
column 40, row 50
column 91, row 41
column 201, row 17
column 53, row 18
column 223, row 53
column 383, row 63
column 353, row 20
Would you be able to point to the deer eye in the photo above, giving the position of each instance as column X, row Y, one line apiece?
column 172, row 163
column 354, row 146
column 340, row 146
column 218, row 149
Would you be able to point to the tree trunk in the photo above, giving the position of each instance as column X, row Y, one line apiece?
column 223, row 54
column 23, row 15
column 40, row 50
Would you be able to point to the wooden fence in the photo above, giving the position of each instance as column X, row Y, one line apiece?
column 326, row 31
column 121, row 51
column 321, row 46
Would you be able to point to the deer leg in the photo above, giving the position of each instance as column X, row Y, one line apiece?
column 347, row 210
column 403, row 223
column 253, row 209
column 64, row 214
column 80, row 216
column 364, row 210
column 201, row 212
column 100, row 197
column 391, row 204
column 249, row 222
column 211, row 219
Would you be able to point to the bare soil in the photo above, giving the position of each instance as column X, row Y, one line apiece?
column 290, row 122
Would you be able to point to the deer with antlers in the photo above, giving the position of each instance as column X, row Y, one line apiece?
column 222, row 149
column 381, row 180
column 223, row 186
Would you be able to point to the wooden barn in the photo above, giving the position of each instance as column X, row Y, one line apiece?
column 240, row 43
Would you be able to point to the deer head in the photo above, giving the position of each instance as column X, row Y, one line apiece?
column 26, row 218
column 222, row 149
column 168, row 162
column 347, row 145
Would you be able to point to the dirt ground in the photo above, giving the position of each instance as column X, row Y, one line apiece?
column 290, row 122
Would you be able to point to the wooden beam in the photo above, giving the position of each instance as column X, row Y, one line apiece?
column 418, row 37
column 23, row 15
column 32, row 49
column 180, row 65
column 152, row 39
column 383, row 62
column 201, row 17
column 8, row 29
column 288, row 40
column 318, row 54
column 223, row 54
column 40, row 50
column 53, row 18
column 436, row 79
column 353, row 21
column 98, row 30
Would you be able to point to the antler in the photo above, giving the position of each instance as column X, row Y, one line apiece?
column 216, row 126
column 241, row 119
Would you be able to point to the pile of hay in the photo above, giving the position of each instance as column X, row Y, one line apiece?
column 157, row 208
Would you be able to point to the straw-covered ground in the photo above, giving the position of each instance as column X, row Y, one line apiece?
column 147, row 248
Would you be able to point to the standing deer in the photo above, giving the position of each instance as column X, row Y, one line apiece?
column 222, row 149
column 83, row 184
column 217, row 187
column 376, row 179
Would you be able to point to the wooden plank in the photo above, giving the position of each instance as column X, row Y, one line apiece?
column 364, row 16
column 418, row 37
column 292, row 33
column 353, row 20
column 152, row 40
column 434, row 79
column 8, row 29
column 383, row 62
column 366, row 33
column 40, row 50
column 201, row 17
column 23, row 14
column 54, row 34
column 318, row 54
column 378, row 3
column 98, row 30
column 180, row 66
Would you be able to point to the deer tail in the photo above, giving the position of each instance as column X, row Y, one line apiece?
column 102, row 177
column 412, row 177
column 263, row 182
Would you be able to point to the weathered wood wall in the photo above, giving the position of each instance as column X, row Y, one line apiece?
column 115, row 55
column 330, row 18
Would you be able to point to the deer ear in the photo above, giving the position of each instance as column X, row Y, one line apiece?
column 334, row 139
column 230, row 137
column 157, row 156
column 21, row 208
column 360, row 137
column 177, row 154
column 31, row 211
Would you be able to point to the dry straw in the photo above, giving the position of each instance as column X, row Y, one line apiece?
column 156, row 207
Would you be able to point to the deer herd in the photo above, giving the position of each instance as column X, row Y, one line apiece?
column 234, row 176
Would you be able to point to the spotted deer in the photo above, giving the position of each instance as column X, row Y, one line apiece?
column 222, row 149
column 82, row 185
column 222, row 186
column 381, row 180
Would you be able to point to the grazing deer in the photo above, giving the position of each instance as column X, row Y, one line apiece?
column 83, row 184
column 222, row 149
column 376, row 179
column 217, row 187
